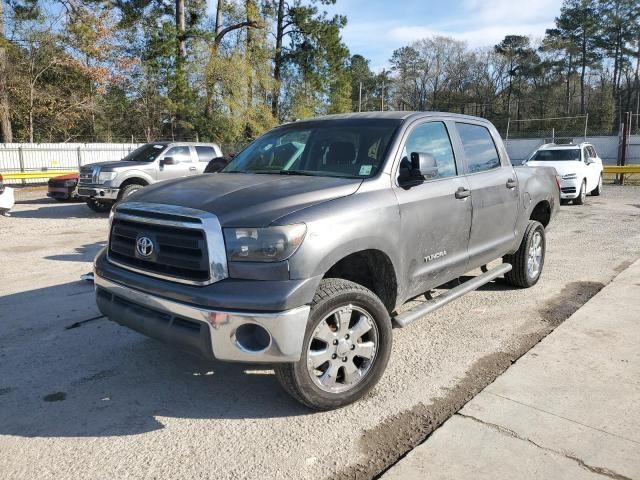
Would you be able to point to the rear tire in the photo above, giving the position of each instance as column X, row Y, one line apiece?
column 579, row 200
column 528, row 260
column 346, row 347
column 596, row 192
column 99, row 206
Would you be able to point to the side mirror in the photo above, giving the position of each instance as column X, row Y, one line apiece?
column 168, row 161
column 589, row 161
column 524, row 162
column 423, row 165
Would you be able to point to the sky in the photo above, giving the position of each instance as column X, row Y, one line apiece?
column 376, row 28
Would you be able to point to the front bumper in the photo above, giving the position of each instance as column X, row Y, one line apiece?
column 98, row 191
column 209, row 333
column 570, row 189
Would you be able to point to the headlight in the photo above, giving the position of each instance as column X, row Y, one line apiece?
column 569, row 176
column 106, row 176
column 271, row 244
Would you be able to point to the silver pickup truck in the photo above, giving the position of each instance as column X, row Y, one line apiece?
column 301, row 251
column 103, row 184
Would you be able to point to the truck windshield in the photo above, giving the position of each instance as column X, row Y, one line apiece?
column 341, row 148
column 145, row 153
column 568, row 154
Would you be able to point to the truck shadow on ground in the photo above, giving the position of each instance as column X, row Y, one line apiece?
column 53, row 210
column 66, row 371
column 85, row 253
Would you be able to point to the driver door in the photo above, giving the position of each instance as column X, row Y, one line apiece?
column 183, row 167
column 435, row 212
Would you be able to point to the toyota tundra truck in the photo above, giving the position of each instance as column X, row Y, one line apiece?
column 300, row 252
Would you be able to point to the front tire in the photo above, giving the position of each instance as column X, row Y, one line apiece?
column 99, row 206
column 128, row 190
column 528, row 260
column 580, row 199
column 346, row 347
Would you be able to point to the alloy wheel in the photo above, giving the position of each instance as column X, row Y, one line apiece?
column 342, row 349
column 534, row 261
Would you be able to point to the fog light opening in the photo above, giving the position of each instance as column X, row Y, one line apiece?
column 252, row 338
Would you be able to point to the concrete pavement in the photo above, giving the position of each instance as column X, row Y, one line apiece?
column 568, row 409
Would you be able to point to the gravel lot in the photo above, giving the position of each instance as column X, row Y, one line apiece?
column 95, row 400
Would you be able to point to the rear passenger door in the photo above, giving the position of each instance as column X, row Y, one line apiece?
column 434, row 218
column 205, row 154
column 494, row 194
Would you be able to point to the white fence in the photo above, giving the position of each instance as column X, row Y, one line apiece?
column 33, row 157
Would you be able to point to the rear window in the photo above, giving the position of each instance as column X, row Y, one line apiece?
column 567, row 154
column 479, row 148
column 205, row 153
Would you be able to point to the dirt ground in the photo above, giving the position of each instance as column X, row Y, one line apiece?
column 81, row 397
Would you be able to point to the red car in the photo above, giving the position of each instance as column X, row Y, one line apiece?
column 64, row 187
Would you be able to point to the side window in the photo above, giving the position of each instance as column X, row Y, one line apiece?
column 180, row 154
column 431, row 138
column 205, row 153
column 585, row 154
column 592, row 151
column 479, row 148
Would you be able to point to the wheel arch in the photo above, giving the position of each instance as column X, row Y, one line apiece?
column 136, row 179
column 541, row 213
column 371, row 268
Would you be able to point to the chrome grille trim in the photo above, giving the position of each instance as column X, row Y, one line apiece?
column 206, row 222
column 88, row 176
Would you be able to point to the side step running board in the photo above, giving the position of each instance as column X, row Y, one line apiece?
column 405, row 318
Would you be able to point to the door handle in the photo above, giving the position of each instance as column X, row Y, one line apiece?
column 511, row 183
column 462, row 193
column 193, row 169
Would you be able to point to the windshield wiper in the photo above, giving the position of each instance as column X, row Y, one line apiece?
column 297, row 172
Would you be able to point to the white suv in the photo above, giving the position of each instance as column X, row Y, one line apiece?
column 579, row 167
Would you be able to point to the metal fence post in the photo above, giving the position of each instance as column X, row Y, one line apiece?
column 21, row 161
column 79, row 159
column 586, row 123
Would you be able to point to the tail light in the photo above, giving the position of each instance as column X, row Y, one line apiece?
column 0, row 178
column 558, row 181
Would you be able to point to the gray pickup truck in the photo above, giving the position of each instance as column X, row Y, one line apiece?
column 103, row 184
column 301, row 251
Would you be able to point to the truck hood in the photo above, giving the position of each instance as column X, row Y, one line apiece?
column 114, row 165
column 562, row 167
column 247, row 200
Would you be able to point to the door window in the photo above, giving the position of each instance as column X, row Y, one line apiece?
column 180, row 154
column 205, row 153
column 479, row 148
column 592, row 151
column 431, row 138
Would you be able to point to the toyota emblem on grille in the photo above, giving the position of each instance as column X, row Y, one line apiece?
column 144, row 246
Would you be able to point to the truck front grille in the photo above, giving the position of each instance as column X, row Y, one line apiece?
column 87, row 177
column 568, row 189
column 175, row 252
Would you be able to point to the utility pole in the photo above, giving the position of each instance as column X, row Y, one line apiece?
column 382, row 93
column 360, row 98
